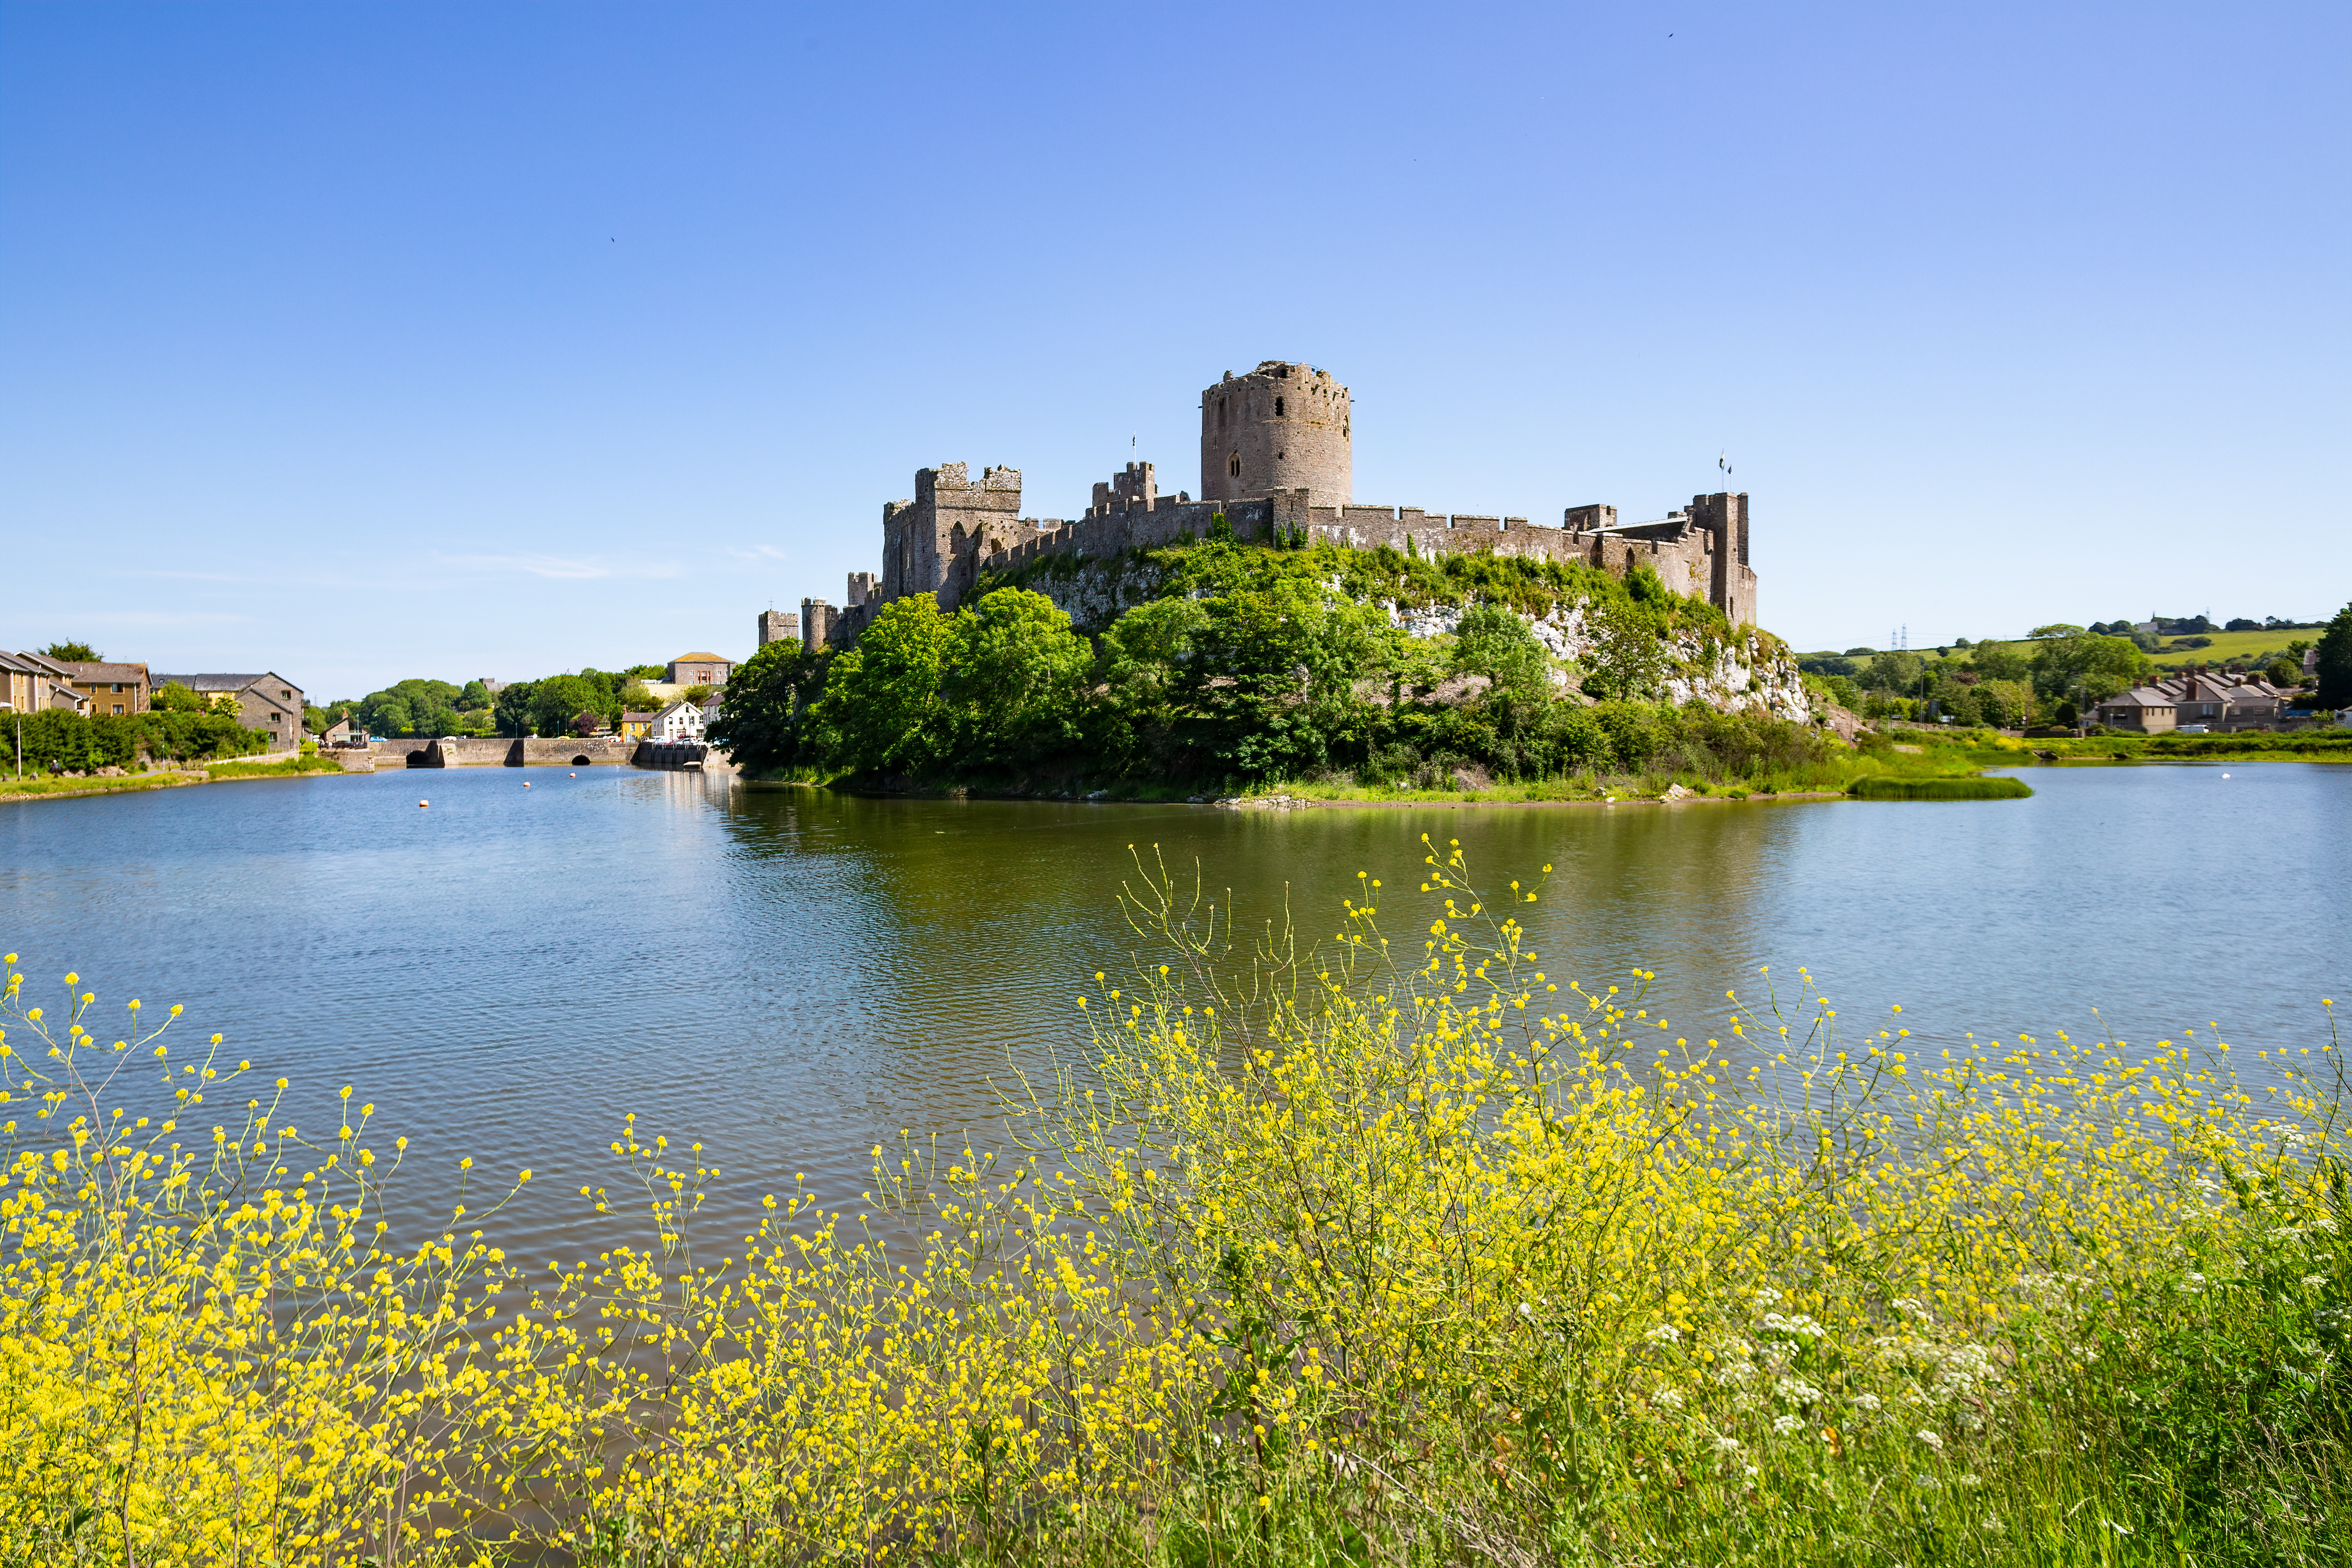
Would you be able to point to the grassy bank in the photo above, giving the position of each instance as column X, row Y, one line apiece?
column 2300, row 747
column 280, row 768
column 58, row 787
column 1396, row 1249
column 52, row 788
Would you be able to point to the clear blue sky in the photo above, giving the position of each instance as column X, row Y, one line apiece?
column 359, row 342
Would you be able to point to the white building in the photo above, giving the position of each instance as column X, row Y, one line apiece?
column 680, row 722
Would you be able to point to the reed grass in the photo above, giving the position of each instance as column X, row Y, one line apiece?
column 1881, row 787
column 1401, row 1247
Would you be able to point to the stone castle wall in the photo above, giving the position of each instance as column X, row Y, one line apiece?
column 1287, row 429
column 1701, row 553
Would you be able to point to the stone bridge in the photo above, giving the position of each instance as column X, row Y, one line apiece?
column 491, row 751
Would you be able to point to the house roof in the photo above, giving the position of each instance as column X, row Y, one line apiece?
column 101, row 670
column 701, row 659
column 639, row 718
column 681, row 704
column 39, row 663
column 2141, row 696
column 223, row 682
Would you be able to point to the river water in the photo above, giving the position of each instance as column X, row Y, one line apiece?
column 789, row 976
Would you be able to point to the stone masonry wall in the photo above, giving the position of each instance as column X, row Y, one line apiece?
column 490, row 752
column 1683, row 550
column 1282, row 427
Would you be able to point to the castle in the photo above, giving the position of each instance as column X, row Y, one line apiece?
column 1276, row 461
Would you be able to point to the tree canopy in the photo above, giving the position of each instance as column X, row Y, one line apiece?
column 2335, row 661
column 1243, row 663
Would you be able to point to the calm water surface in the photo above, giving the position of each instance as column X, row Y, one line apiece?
column 789, row 976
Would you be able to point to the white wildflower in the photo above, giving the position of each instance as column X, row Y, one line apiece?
column 1663, row 1334
column 1671, row 1398
column 1911, row 1307
column 1932, row 1441
column 2192, row 1281
column 1866, row 1401
column 1767, row 1298
column 1796, row 1391
column 1726, row 1444
column 2119, row 1530
column 1970, row 1479
column 1784, row 1425
column 2287, row 1233
column 1992, row 1524
column 1797, row 1323
column 2326, row 1223
column 2313, row 1281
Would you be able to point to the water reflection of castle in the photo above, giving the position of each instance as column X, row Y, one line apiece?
column 1276, row 461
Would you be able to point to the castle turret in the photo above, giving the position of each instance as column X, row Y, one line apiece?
column 1280, row 428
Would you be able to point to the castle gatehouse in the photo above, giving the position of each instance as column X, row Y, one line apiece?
column 1276, row 461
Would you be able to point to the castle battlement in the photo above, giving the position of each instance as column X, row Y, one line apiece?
column 1275, row 461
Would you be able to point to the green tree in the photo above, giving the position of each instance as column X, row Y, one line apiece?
column 2335, row 661
column 1999, row 662
column 881, row 710
column 1895, row 671
column 764, row 724
column 72, row 653
column 2282, row 672
column 2072, row 662
column 431, row 715
column 1628, row 659
column 475, row 696
column 174, row 698
column 1271, row 687
column 2005, row 704
column 1492, row 641
column 556, row 703
column 510, row 714
column 1016, row 684
column 697, row 695
column 1144, row 663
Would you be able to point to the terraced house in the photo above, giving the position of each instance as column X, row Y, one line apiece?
column 267, row 701
column 111, row 688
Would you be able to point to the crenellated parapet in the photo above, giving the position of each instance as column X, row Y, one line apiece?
column 1277, row 462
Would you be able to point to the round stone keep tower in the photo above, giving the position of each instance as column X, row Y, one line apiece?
column 1280, row 428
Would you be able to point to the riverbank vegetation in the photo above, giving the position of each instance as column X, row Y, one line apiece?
column 551, row 707
column 1236, row 666
column 182, row 727
column 2055, row 676
column 1402, row 1248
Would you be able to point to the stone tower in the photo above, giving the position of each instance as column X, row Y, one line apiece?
column 935, row 543
column 1280, row 428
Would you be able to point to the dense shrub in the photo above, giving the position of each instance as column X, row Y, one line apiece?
column 58, row 740
column 1242, row 663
